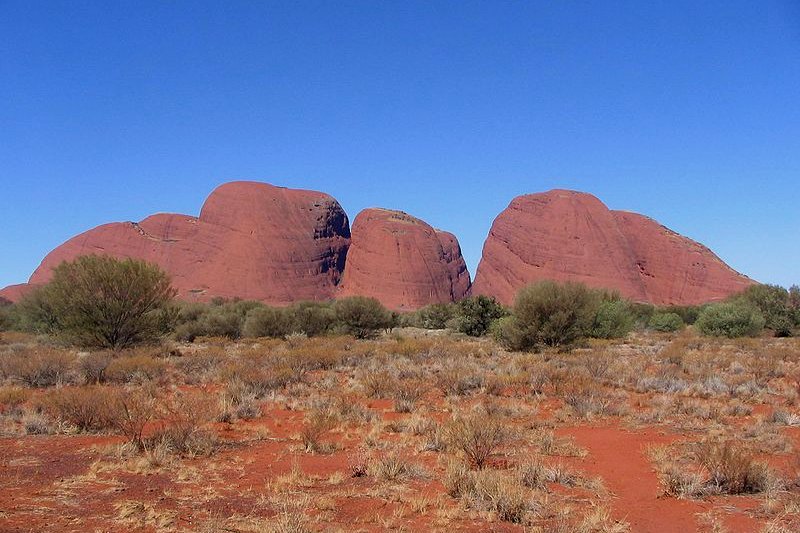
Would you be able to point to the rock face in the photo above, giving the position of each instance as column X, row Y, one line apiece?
column 251, row 240
column 566, row 235
column 403, row 262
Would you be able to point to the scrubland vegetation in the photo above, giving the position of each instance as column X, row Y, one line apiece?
column 574, row 410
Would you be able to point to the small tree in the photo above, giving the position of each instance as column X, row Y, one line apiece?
column 476, row 314
column 362, row 317
column 101, row 301
column 730, row 320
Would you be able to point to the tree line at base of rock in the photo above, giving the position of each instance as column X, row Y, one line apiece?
column 99, row 301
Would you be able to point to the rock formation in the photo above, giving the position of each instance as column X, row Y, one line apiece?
column 566, row 235
column 277, row 245
column 403, row 262
column 251, row 240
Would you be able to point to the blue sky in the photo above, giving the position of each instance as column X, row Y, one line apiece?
column 688, row 112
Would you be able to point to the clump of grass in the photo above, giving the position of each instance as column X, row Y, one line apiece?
column 478, row 436
column 732, row 468
column 317, row 424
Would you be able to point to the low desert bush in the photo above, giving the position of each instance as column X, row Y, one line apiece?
column 92, row 367
column 478, row 436
column 612, row 320
column 266, row 322
column 551, row 314
column 87, row 408
column 476, row 313
column 12, row 397
column 183, row 427
column 730, row 320
column 665, row 322
column 135, row 368
column 129, row 412
column 362, row 317
column 434, row 316
column 37, row 367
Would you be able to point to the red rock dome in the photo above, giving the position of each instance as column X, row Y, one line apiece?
column 403, row 262
column 252, row 240
column 567, row 235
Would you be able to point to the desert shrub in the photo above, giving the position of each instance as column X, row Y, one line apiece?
column 40, row 367
column 92, row 367
column 475, row 314
column 435, row 316
column 258, row 380
column 730, row 320
column 103, row 301
column 12, row 397
column 266, row 322
column 793, row 303
column 552, row 314
column 773, row 303
column 362, row 317
column 667, row 322
column 458, row 379
column 35, row 312
column 478, row 436
column 311, row 318
column 182, row 430
column 220, row 318
column 7, row 321
column 129, row 412
column 732, row 469
column 688, row 313
column 135, row 368
column 86, row 408
column 612, row 320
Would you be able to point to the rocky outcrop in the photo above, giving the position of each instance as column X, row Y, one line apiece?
column 567, row 235
column 251, row 240
column 403, row 261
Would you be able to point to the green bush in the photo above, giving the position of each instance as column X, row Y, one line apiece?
column 6, row 311
column 435, row 316
column 551, row 314
column 688, row 313
column 266, row 322
column 730, row 320
column 311, row 318
column 773, row 303
column 220, row 318
column 362, row 317
column 613, row 320
column 101, row 301
column 476, row 314
column 665, row 321
column 794, row 304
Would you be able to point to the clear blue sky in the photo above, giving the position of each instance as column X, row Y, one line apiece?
column 685, row 111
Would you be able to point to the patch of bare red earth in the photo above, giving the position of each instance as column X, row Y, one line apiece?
column 619, row 457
